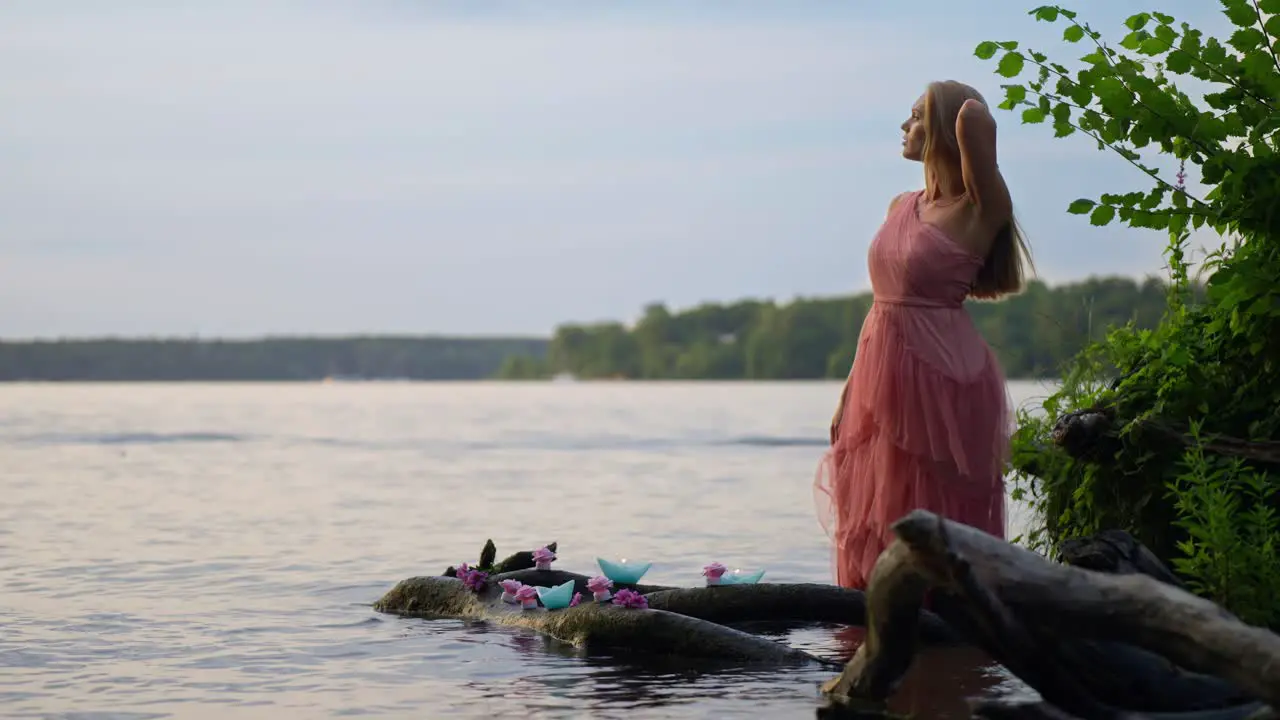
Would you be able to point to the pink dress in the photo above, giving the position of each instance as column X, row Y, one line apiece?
column 927, row 416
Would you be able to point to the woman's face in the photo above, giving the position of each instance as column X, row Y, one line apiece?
column 913, row 132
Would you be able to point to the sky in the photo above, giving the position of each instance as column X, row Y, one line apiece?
column 248, row 167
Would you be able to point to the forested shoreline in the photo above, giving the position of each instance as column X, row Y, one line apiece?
column 267, row 359
column 1033, row 333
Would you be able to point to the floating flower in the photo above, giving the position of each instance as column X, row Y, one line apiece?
column 577, row 598
column 528, row 596
column 630, row 599
column 543, row 557
column 713, row 572
column 600, row 587
column 509, row 588
column 475, row 580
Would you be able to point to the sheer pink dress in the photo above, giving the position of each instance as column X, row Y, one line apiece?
column 927, row 417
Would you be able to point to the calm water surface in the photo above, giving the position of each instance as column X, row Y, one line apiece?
column 211, row 551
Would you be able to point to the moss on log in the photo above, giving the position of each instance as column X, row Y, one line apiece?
column 592, row 626
column 682, row 621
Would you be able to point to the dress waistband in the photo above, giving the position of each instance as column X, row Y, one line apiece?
column 920, row 302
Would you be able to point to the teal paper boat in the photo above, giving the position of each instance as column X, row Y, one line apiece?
column 626, row 573
column 554, row 598
column 741, row 578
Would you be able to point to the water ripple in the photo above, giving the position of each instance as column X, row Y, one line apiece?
column 212, row 551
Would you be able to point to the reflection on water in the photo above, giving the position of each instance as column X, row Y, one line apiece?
column 212, row 550
column 943, row 679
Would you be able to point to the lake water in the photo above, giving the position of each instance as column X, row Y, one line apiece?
column 212, row 551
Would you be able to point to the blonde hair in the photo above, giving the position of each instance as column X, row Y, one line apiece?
column 1004, row 268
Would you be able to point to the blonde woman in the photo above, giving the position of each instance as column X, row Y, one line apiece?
column 924, row 418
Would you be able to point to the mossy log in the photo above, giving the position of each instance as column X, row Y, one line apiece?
column 590, row 625
column 680, row 621
column 1094, row 645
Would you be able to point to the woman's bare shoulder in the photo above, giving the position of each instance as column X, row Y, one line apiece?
column 898, row 198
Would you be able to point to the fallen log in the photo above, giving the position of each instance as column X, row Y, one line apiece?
column 1093, row 645
column 590, row 625
column 785, row 602
column 678, row 621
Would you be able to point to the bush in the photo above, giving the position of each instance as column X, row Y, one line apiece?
column 1194, row 400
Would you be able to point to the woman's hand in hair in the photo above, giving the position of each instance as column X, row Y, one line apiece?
column 976, row 131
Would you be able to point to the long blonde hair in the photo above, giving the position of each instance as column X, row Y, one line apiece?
column 1005, row 266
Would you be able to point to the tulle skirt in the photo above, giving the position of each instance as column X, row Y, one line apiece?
column 926, row 424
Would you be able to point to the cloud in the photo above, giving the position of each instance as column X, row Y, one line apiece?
column 245, row 167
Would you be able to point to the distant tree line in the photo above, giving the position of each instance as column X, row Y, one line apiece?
column 1033, row 333
column 413, row 358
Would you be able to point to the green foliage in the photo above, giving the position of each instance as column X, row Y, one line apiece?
column 1033, row 334
column 1207, row 367
column 414, row 358
column 1230, row 554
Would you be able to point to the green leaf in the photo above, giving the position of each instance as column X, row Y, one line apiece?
column 1153, row 46
column 1046, row 13
column 1133, row 40
column 1239, row 12
column 1270, row 7
column 1015, row 93
column 1102, row 215
column 986, row 50
column 1247, row 40
column 1081, row 206
column 1033, row 115
column 1073, row 33
column 1162, row 18
column 1010, row 65
column 1272, row 25
column 1137, row 22
column 1166, row 35
column 1213, row 52
column 1178, row 62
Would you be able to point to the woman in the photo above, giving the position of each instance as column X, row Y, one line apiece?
column 924, row 418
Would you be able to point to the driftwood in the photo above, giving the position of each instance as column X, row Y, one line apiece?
column 1086, row 434
column 1094, row 645
column 685, row 622
column 1116, row 552
column 1110, row 634
column 1090, row 434
column 591, row 626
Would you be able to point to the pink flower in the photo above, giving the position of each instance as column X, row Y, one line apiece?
column 577, row 598
column 509, row 588
column 714, row 571
column 526, row 592
column 543, row 557
column 630, row 599
column 461, row 572
column 475, row 580
column 599, row 584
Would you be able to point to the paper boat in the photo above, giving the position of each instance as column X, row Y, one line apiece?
column 735, row 578
column 626, row 573
column 554, row 598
